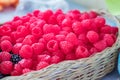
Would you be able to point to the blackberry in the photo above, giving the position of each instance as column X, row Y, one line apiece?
column 15, row 58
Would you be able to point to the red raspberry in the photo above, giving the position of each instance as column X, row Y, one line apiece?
column 42, row 40
column 93, row 50
column 84, row 16
column 55, row 59
column 109, row 40
column 6, row 45
column 83, row 38
column 99, row 21
column 66, row 46
column 48, row 36
column 41, row 65
column 78, row 28
column 22, row 31
column 41, row 23
column 5, row 30
column 5, row 56
column 52, row 45
column 70, row 56
column 60, row 37
column 60, row 54
column 47, row 14
column 60, row 18
column 58, row 12
column 81, row 52
column 15, row 24
column 87, row 24
column 25, row 19
column 6, row 67
column 67, row 22
column 6, row 38
column 63, row 33
column 26, row 63
column 19, row 40
column 29, row 40
column 92, row 36
column 16, row 48
column 38, row 48
column 18, row 68
column 92, row 14
column 15, row 73
column 26, row 51
column 100, row 45
column 72, row 38
column 68, row 29
column 36, row 32
column 106, row 29
column 36, row 13
column 49, row 28
column 52, row 20
column 44, row 57
column 114, row 30
column 16, row 18
column 26, row 70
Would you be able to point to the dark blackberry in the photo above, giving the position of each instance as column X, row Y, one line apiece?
column 1, row 76
column 15, row 58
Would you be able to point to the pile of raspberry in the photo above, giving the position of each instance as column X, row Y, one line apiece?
column 39, row 39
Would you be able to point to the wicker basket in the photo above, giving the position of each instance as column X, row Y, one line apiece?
column 91, row 68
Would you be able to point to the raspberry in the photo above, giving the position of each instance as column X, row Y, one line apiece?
column 52, row 45
column 67, row 22
column 87, row 24
column 36, row 13
column 81, row 52
column 106, row 29
column 60, row 18
column 93, row 50
column 18, row 68
column 70, row 56
column 68, row 29
column 42, row 40
column 41, row 23
column 51, row 28
column 15, row 58
column 26, row 51
column 78, row 28
column 114, row 30
column 15, row 24
column 84, row 16
column 63, row 33
column 72, row 38
column 100, row 45
column 52, row 20
column 19, row 40
column 109, row 40
column 48, row 36
column 47, row 14
column 66, row 46
column 6, row 45
column 92, row 36
column 16, row 18
column 6, row 67
column 16, row 48
column 41, row 65
column 36, row 32
column 5, row 30
column 92, row 14
column 38, row 48
column 99, row 21
column 15, row 73
column 26, row 70
column 26, row 63
column 58, row 12
column 44, row 57
column 60, row 37
column 55, row 59
column 5, row 56
column 6, row 38
column 83, row 38
column 60, row 54
column 22, row 31
column 29, row 40
column 25, row 19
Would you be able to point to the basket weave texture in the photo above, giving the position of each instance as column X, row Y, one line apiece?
column 91, row 68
